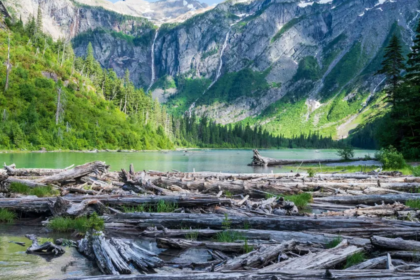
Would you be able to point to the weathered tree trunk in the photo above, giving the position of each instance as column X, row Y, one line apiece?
column 96, row 167
column 370, row 264
column 114, row 256
column 259, row 257
column 369, row 199
column 395, row 243
column 185, row 244
column 325, row 259
column 259, row 160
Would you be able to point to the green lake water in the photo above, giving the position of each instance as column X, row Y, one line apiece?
column 234, row 161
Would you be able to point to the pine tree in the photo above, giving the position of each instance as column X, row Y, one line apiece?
column 392, row 66
column 413, row 63
column 39, row 20
column 90, row 60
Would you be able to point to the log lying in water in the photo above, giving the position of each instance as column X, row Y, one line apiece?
column 259, row 160
column 46, row 248
column 115, row 256
column 324, row 259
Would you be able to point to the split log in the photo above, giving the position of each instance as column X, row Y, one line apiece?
column 259, row 160
column 114, row 256
column 47, row 248
column 28, row 183
column 221, row 246
column 395, row 243
column 96, row 167
column 173, row 233
column 258, row 258
column 402, row 230
column 325, row 259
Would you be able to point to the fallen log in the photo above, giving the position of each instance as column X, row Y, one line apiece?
column 259, row 160
column 115, row 256
column 370, row 264
column 221, row 246
column 324, row 259
column 395, row 243
column 47, row 248
column 368, row 199
column 26, row 172
column 255, row 234
column 42, row 205
column 214, row 221
column 96, row 167
column 257, row 258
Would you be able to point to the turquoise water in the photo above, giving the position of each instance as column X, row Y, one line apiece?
column 234, row 161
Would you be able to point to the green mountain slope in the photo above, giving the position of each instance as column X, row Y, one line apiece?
column 86, row 118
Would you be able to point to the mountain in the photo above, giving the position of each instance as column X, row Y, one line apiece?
column 291, row 66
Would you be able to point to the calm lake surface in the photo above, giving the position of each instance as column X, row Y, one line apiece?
column 232, row 161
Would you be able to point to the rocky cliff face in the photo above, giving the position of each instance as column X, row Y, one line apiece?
column 293, row 66
column 305, row 50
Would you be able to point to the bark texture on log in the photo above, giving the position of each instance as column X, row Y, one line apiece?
column 96, row 167
column 395, row 243
column 325, row 259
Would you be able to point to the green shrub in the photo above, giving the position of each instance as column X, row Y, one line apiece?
column 226, row 223
column 228, row 194
column 300, row 200
column 229, row 236
column 311, row 172
column 6, row 216
column 193, row 235
column 416, row 170
column 247, row 248
column 165, row 207
column 415, row 203
column 355, row 259
column 346, row 153
column 391, row 158
column 81, row 224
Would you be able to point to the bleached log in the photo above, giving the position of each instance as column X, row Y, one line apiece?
column 259, row 160
column 324, row 259
column 395, row 243
column 369, row 264
column 96, row 167
column 368, row 199
column 185, row 244
column 258, row 258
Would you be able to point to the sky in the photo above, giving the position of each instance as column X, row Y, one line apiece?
column 210, row 2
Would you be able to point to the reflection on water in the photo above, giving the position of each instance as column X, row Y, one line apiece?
column 234, row 161
column 15, row 264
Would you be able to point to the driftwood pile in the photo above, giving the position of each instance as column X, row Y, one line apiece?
column 352, row 214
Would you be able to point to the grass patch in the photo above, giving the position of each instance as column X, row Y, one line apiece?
column 229, row 236
column 247, row 248
column 333, row 243
column 415, row 170
column 300, row 200
column 355, row 259
column 38, row 191
column 81, row 224
column 193, row 235
column 415, row 203
column 7, row 216
column 228, row 194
